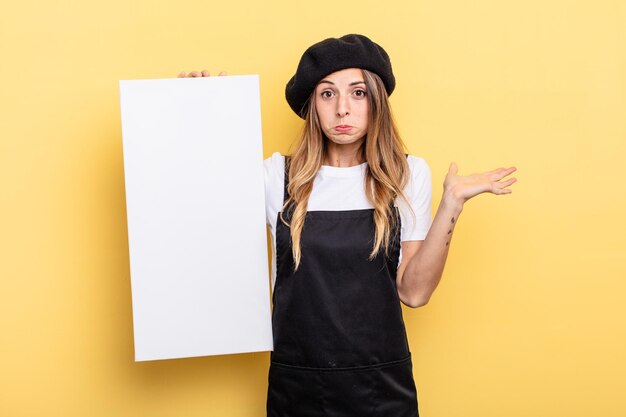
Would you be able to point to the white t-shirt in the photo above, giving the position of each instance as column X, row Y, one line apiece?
column 341, row 189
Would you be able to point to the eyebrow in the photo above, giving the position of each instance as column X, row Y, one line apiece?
column 352, row 83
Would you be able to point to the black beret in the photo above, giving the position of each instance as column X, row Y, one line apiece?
column 330, row 55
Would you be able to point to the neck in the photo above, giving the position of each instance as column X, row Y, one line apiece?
column 344, row 156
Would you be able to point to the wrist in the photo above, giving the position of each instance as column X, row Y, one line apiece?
column 452, row 202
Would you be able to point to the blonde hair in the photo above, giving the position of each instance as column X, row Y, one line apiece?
column 385, row 176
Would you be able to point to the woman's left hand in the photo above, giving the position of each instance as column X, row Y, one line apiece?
column 458, row 188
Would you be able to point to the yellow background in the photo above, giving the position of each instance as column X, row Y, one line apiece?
column 530, row 318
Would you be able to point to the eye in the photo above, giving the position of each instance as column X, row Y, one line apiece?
column 326, row 94
column 360, row 93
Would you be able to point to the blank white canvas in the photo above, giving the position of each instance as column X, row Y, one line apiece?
column 195, row 202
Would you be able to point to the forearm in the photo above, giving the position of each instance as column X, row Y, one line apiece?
column 424, row 270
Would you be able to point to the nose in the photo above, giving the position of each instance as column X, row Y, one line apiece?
column 343, row 106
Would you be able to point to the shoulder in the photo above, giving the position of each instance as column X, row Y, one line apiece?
column 275, row 164
column 274, row 172
column 417, row 164
column 419, row 169
column 416, row 217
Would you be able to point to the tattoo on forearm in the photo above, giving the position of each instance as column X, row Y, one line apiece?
column 450, row 231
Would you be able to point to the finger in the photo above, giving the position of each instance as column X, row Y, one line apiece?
column 500, row 173
column 182, row 74
column 194, row 74
column 509, row 171
column 501, row 187
column 453, row 169
column 508, row 182
column 504, row 191
column 222, row 73
column 206, row 73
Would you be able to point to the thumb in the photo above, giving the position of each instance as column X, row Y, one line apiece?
column 453, row 169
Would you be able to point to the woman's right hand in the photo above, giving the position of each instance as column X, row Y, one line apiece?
column 193, row 74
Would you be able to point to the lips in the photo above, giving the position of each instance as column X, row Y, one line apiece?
column 343, row 128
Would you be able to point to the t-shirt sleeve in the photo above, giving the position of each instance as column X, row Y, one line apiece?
column 274, row 171
column 418, row 191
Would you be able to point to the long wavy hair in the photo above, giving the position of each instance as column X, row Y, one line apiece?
column 386, row 173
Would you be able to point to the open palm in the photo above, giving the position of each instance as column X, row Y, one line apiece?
column 464, row 187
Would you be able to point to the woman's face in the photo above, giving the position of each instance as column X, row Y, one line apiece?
column 342, row 106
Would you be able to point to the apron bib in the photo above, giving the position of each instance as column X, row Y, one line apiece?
column 340, row 345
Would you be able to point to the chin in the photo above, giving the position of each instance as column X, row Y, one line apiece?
column 344, row 139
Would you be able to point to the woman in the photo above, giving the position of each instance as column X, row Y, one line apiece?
column 350, row 216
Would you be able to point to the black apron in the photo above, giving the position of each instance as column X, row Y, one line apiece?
column 340, row 345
